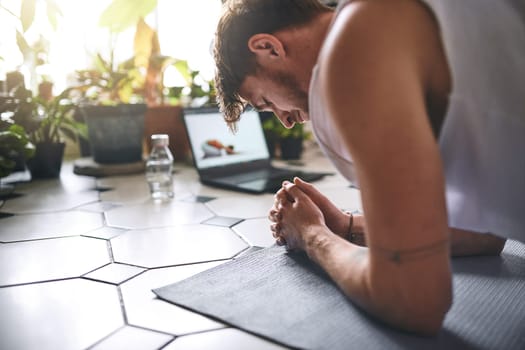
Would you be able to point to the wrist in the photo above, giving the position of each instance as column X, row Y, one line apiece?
column 355, row 229
column 359, row 223
column 316, row 239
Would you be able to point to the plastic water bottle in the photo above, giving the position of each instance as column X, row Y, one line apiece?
column 159, row 167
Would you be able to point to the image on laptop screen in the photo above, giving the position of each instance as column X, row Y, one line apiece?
column 214, row 144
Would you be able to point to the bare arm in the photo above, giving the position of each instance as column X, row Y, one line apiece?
column 373, row 75
column 462, row 242
column 466, row 243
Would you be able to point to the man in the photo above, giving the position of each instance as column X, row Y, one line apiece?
column 420, row 103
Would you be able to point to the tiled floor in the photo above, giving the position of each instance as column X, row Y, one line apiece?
column 79, row 257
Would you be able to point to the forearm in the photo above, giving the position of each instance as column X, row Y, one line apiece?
column 463, row 243
column 345, row 263
column 381, row 291
column 466, row 243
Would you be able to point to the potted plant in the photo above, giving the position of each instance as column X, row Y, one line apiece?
column 289, row 142
column 164, row 104
column 115, row 124
column 14, row 147
column 47, row 123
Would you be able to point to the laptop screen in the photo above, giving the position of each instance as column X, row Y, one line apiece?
column 213, row 143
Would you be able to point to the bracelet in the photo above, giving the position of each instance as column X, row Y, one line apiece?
column 349, row 233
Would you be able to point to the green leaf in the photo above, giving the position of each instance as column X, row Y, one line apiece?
column 184, row 69
column 27, row 13
column 122, row 14
column 23, row 46
column 53, row 12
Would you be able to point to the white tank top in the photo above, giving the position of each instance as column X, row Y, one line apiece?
column 482, row 139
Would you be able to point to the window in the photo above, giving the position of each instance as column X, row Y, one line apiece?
column 185, row 30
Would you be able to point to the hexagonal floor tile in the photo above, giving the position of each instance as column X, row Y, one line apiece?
column 125, row 189
column 134, row 189
column 143, row 309
column 64, row 193
column 105, row 232
column 50, row 259
column 242, row 207
column 37, row 226
column 222, row 339
column 48, row 201
column 256, row 232
column 176, row 245
column 98, row 207
column 157, row 214
column 345, row 198
column 114, row 273
column 133, row 338
column 72, row 314
column 222, row 221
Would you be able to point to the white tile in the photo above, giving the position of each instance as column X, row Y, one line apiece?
column 133, row 338
column 256, row 232
column 67, row 192
column 45, row 201
column 124, row 189
column 72, row 314
column 176, row 245
column 37, row 226
column 98, row 207
column 115, row 273
column 223, row 339
column 145, row 310
column 50, row 259
column 157, row 214
column 344, row 198
column 105, row 232
column 253, row 206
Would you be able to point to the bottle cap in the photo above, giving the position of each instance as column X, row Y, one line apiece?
column 160, row 140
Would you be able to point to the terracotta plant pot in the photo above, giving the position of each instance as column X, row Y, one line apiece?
column 167, row 119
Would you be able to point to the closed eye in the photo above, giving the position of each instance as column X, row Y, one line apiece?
column 265, row 106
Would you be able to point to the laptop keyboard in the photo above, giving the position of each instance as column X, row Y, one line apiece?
column 257, row 175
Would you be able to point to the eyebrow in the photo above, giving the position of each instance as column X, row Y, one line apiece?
column 261, row 107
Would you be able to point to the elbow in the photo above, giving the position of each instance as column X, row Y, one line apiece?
column 417, row 309
column 426, row 318
column 431, row 324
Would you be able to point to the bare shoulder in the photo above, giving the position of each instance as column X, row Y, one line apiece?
column 373, row 38
column 400, row 19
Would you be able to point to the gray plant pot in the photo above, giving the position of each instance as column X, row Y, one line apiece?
column 115, row 132
column 47, row 161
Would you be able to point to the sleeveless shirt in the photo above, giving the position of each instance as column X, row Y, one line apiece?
column 482, row 139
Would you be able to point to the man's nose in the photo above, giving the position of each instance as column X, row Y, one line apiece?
column 283, row 117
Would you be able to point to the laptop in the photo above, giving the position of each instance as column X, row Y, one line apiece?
column 239, row 161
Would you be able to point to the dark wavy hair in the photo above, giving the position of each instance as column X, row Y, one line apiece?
column 240, row 20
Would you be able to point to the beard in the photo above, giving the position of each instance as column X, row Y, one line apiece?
column 291, row 87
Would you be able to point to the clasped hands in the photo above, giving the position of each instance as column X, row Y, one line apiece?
column 295, row 216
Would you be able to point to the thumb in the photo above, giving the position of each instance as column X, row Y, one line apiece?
column 294, row 192
column 306, row 187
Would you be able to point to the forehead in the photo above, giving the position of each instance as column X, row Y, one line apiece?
column 253, row 88
column 250, row 89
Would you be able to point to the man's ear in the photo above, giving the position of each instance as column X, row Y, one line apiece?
column 266, row 46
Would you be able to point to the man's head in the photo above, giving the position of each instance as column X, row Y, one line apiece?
column 235, row 60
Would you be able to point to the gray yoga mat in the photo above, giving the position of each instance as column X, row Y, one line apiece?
column 284, row 297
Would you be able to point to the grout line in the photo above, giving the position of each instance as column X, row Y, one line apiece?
column 40, row 282
column 122, row 305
